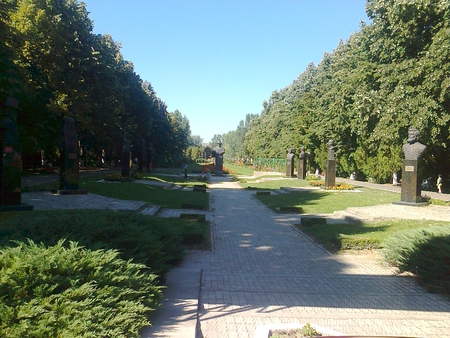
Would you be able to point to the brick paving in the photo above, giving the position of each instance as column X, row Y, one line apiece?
column 263, row 271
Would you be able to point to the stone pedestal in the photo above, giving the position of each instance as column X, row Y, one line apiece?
column 301, row 169
column 10, row 178
column 125, row 163
column 10, row 173
column 330, row 175
column 69, row 180
column 290, row 164
column 217, row 153
column 411, row 184
column 219, row 166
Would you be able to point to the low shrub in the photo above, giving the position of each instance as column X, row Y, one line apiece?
column 341, row 186
column 315, row 183
column 426, row 198
column 149, row 240
column 424, row 252
column 70, row 291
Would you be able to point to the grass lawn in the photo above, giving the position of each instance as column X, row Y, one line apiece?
column 172, row 199
column 326, row 202
column 238, row 170
column 273, row 184
column 165, row 198
column 179, row 180
column 357, row 236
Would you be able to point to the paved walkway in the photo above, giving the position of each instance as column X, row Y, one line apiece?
column 263, row 271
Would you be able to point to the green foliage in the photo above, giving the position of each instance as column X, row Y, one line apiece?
column 390, row 75
column 153, row 241
column 51, row 60
column 306, row 331
column 309, row 331
column 69, row 291
column 424, row 252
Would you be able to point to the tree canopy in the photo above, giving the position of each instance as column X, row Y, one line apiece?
column 388, row 76
column 51, row 61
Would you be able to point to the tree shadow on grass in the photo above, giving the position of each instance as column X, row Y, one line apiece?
column 342, row 236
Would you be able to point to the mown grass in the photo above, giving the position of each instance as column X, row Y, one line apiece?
column 188, row 183
column 277, row 183
column 238, row 170
column 326, row 202
column 155, row 195
column 171, row 199
column 358, row 236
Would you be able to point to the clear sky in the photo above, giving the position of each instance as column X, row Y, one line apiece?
column 217, row 60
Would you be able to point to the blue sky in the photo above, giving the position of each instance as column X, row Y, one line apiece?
column 216, row 61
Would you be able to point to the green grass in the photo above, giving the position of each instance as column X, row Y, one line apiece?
column 274, row 184
column 326, row 202
column 238, row 170
column 172, row 199
column 165, row 198
column 358, row 236
column 189, row 183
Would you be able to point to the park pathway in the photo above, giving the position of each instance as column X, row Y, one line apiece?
column 263, row 271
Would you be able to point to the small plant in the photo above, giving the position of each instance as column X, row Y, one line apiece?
column 316, row 183
column 341, row 186
column 309, row 331
column 426, row 198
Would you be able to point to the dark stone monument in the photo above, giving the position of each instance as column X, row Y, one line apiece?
column 143, row 167
column 69, row 181
column 218, row 152
column 301, row 164
column 150, row 158
column 330, row 175
column 290, row 163
column 411, row 182
column 11, row 159
column 126, row 156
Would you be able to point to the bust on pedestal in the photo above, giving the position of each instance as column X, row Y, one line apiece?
column 70, row 151
column 290, row 163
column 301, row 164
column 10, row 159
column 330, row 175
column 411, row 182
column 218, row 152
